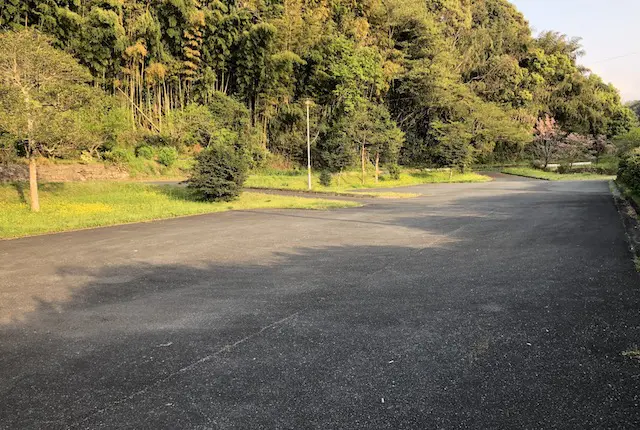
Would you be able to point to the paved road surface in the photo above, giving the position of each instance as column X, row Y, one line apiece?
column 500, row 305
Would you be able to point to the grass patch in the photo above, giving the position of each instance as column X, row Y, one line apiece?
column 344, row 193
column 350, row 181
column 530, row 172
column 498, row 167
column 72, row 206
column 608, row 162
column 140, row 168
column 630, row 195
column 384, row 194
column 632, row 353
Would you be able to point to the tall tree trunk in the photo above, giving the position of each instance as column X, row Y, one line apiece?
column 377, row 165
column 141, row 89
column 33, row 174
column 33, row 185
column 149, row 108
column 265, row 136
column 157, row 105
column 547, row 154
column 166, row 97
column 132, row 96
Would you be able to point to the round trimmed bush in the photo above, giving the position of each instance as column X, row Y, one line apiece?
column 629, row 171
column 144, row 151
column 219, row 174
column 394, row 171
column 167, row 156
column 325, row 178
column 117, row 156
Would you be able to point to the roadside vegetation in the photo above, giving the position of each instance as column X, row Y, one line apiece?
column 530, row 172
column 148, row 86
column 629, row 176
column 349, row 181
column 70, row 206
column 553, row 145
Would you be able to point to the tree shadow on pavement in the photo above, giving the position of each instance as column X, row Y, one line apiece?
column 321, row 335
column 470, row 313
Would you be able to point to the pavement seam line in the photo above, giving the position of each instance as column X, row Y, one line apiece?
column 226, row 348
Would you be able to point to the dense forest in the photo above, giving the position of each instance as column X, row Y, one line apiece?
column 420, row 82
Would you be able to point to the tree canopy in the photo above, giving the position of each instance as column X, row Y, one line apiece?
column 444, row 82
column 41, row 92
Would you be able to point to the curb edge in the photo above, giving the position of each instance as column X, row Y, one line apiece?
column 628, row 213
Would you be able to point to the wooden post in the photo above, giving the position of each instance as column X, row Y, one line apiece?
column 377, row 165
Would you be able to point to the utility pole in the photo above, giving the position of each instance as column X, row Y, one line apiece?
column 308, row 103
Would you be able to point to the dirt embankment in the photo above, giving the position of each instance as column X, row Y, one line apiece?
column 63, row 173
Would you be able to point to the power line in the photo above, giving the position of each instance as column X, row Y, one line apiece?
column 616, row 58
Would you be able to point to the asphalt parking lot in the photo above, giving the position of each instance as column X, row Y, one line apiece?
column 510, row 304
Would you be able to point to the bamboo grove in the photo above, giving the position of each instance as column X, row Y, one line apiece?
column 420, row 81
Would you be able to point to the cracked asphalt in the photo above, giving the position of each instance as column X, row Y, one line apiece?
column 510, row 304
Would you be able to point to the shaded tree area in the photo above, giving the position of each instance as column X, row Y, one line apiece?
column 635, row 107
column 442, row 83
